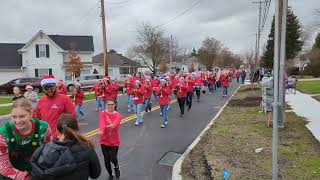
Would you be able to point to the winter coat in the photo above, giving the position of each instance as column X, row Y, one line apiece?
column 64, row 161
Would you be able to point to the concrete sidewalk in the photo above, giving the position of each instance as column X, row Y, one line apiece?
column 309, row 79
column 305, row 106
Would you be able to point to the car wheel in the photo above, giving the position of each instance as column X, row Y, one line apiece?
column 3, row 92
column 70, row 88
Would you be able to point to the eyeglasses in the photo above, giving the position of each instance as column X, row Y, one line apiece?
column 48, row 87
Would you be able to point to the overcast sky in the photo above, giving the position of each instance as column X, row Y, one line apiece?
column 233, row 22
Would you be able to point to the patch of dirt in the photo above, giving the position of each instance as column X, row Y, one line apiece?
column 246, row 102
column 249, row 89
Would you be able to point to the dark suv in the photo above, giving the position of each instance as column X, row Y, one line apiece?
column 7, row 88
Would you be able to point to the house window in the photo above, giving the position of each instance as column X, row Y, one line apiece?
column 124, row 70
column 42, row 50
column 42, row 72
column 110, row 72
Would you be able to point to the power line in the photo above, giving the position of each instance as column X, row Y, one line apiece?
column 182, row 13
column 88, row 13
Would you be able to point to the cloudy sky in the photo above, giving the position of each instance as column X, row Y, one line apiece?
column 233, row 22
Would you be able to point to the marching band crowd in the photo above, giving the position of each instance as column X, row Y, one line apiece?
column 43, row 141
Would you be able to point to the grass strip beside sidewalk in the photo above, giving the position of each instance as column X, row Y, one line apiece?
column 240, row 129
column 310, row 87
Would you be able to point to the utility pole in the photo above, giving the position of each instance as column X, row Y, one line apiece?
column 104, row 35
column 278, row 65
column 259, row 32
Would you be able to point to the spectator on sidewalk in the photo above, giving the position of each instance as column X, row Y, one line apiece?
column 53, row 104
column 243, row 76
column 110, row 138
column 72, row 156
column 17, row 94
column 19, row 138
column 31, row 95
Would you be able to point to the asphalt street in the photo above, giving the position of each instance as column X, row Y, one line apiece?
column 143, row 147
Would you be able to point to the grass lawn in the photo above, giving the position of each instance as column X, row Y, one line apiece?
column 5, row 110
column 310, row 87
column 231, row 142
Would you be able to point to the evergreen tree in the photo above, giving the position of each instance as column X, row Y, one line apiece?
column 194, row 52
column 293, row 40
column 317, row 42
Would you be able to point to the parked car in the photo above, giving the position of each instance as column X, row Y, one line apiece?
column 7, row 88
column 87, row 81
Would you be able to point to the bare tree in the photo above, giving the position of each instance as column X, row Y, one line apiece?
column 74, row 65
column 317, row 17
column 209, row 51
column 250, row 60
column 153, row 46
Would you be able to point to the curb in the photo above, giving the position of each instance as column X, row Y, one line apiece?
column 177, row 165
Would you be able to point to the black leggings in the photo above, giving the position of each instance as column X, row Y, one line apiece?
column 110, row 154
column 181, row 101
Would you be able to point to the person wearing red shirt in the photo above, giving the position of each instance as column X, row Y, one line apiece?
column 110, row 137
column 155, row 84
column 189, row 92
column 181, row 94
column 163, row 93
column 61, row 88
column 106, row 90
column 138, row 93
column 53, row 104
column 78, row 96
column 97, row 89
column 147, row 95
column 114, row 93
column 211, row 82
column 225, row 85
column 128, row 85
column 238, row 76
column 198, row 83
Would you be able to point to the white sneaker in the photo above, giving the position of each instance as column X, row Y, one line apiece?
column 163, row 126
column 136, row 124
column 160, row 113
column 166, row 123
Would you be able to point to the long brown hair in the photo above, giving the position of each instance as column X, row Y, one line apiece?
column 68, row 126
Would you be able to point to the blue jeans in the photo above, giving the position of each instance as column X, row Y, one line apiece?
column 98, row 103
column 104, row 105
column 130, row 102
column 147, row 104
column 225, row 91
column 80, row 113
column 154, row 94
column 164, row 111
column 137, row 110
column 189, row 99
column 243, row 79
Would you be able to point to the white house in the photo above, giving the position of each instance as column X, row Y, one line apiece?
column 44, row 55
column 186, row 63
column 119, row 65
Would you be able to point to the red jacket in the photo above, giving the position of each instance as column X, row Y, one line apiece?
column 182, row 91
column 211, row 80
column 115, row 89
column 238, row 74
column 50, row 109
column 62, row 90
column 155, row 83
column 138, row 96
column 199, row 82
column 107, row 90
column 163, row 99
column 79, row 98
column 148, row 91
column 129, row 87
column 110, row 135
column 97, row 90
column 190, row 86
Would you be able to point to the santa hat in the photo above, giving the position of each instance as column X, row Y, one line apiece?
column 147, row 80
column 60, row 82
column 48, row 80
column 106, row 78
column 137, row 81
column 29, row 87
column 163, row 80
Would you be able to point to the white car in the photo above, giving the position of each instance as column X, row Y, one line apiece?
column 87, row 81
